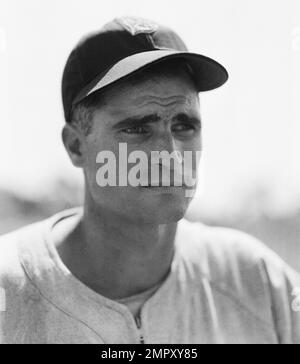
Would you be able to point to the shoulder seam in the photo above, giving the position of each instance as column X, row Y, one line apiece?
column 57, row 307
column 229, row 294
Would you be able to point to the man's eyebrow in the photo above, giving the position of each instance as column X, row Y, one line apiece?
column 134, row 121
column 154, row 118
column 188, row 119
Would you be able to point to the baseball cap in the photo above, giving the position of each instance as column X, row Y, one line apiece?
column 124, row 46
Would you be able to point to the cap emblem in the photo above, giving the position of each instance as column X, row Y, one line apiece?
column 137, row 25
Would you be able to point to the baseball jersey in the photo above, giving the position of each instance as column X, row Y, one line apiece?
column 223, row 287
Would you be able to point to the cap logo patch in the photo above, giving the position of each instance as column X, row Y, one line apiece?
column 137, row 25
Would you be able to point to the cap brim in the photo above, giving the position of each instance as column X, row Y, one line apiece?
column 208, row 73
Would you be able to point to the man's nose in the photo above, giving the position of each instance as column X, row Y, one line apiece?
column 166, row 142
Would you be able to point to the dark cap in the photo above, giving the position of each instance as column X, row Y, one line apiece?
column 124, row 46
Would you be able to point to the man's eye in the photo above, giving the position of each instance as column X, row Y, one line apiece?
column 185, row 128
column 135, row 130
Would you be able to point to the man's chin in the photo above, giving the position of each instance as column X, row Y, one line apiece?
column 164, row 213
column 160, row 205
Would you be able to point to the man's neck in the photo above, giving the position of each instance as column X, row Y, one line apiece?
column 116, row 257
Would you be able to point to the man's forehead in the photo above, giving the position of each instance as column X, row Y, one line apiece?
column 163, row 100
column 160, row 105
column 159, row 96
column 162, row 112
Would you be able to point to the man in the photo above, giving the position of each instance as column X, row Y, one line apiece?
column 127, row 268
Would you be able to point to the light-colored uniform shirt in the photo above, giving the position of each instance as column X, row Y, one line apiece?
column 136, row 302
column 223, row 287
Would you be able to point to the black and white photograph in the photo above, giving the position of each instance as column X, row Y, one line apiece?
column 149, row 174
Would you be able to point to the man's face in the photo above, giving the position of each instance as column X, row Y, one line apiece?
column 155, row 115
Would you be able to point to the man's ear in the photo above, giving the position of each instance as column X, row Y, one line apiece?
column 73, row 142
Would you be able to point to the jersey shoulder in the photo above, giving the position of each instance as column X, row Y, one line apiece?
column 240, row 267
column 12, row 273
column 219, row 251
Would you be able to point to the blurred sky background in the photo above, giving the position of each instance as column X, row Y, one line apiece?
column 250, row 173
